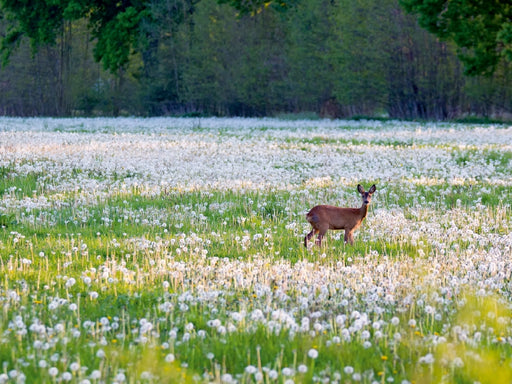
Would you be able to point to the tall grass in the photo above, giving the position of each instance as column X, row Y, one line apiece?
column 146, row 271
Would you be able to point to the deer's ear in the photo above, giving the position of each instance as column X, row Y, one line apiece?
column 360, row 188
column 373, row 188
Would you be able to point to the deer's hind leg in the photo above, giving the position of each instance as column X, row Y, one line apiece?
column 321, row 233
column 308, row 237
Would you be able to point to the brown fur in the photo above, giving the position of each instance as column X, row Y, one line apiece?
column 325, row 217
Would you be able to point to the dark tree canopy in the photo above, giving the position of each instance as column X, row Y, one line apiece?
column 255, row 6
column 114, row 24
column 314, row 58
column 482, row 29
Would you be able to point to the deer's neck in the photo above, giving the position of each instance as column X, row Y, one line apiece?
column 363, row 211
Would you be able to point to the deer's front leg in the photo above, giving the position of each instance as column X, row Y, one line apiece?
column 349, row 237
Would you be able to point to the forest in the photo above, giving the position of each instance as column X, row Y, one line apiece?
column 317, row 58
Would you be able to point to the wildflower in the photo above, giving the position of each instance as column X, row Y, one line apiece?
column 189, row 327
column 348, row 370
column 201, row 333
column 53, row 371
column 251, row 369
column 313, row 353
column 71, row 281
column 427, row 359
column 458, row 362
column 96, row 374
column 169, row 358
column 302, row 368
column 66, row 376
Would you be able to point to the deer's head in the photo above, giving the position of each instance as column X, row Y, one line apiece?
column 367, row 196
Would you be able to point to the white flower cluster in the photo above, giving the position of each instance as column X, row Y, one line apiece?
column 436, row 241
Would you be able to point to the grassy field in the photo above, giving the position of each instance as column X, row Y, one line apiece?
column 171, row 250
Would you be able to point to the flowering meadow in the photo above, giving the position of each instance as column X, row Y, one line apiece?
column 171, row 251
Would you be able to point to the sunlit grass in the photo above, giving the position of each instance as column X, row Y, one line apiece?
column 119, row 270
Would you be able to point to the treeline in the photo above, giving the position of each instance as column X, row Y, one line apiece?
column 333, row 58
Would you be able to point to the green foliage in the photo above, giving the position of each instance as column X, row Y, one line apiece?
column 117, row 36
column 114, row 24
column 253, row 7
column 323, row 58
column 358, row 45
column 117, row 26
column 481, row 29
column 40, row 21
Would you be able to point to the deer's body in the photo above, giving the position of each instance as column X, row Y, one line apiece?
column 325, row 217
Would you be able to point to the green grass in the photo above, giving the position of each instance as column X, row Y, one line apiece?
column 232, row 351
column 306, row 144
column 19, row 185
column 225, row 283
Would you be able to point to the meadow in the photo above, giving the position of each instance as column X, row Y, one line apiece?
column 171, row 250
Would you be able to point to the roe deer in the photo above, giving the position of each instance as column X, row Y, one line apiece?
column 324, row 217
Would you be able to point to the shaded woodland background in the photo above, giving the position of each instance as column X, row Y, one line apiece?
column 328, row 58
